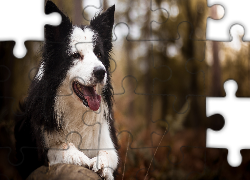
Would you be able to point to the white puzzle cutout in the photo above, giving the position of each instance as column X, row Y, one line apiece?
column 236, row 132
column 235, row 12
column 24, row 20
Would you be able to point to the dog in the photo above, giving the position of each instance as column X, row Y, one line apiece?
column 69, row 102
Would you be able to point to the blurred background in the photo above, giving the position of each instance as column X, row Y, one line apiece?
column 162, row 70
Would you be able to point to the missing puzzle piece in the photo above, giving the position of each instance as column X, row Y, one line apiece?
column 29, row 19
column 236, row 112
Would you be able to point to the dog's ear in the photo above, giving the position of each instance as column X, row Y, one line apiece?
column 103, row 23
column 57, row 33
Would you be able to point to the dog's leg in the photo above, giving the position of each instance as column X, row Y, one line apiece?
column 105, row 163
column 68, row 154
column 107, row 160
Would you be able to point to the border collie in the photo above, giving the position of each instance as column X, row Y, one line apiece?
column 68, row 110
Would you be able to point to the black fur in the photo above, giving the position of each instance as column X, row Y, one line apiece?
column 38, row 107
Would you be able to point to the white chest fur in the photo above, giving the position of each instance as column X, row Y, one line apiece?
column 87, row 130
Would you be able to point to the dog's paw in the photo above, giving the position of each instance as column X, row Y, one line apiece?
column 100, row 165
column 68, row 154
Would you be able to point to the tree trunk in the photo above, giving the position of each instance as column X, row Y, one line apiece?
column 105, row 5
column 216, row 69
column 77, row 12
column 147, row 77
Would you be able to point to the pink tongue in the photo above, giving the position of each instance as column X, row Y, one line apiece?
column 92, row 98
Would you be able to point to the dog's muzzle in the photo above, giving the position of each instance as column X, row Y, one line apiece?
column 99, row 73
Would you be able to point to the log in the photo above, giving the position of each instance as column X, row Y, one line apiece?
column 63, row 172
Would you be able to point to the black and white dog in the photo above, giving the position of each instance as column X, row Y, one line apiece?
column 69, row 103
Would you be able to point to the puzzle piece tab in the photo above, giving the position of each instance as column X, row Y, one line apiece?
column 225, row 64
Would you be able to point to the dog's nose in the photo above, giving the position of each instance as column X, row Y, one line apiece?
column 99, row 73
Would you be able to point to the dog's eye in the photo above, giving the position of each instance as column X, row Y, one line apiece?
column 99, row 55
column 76, row 55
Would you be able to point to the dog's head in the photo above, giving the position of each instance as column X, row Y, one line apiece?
column 76, row 58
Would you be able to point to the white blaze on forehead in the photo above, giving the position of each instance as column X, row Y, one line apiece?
column 82, row 40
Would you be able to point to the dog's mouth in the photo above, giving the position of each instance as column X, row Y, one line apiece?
column 88, row 95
